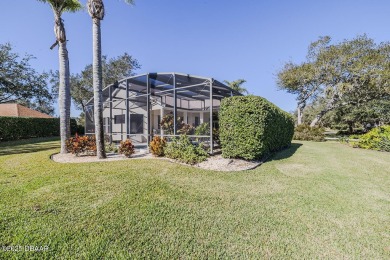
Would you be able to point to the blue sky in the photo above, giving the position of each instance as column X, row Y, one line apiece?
column 227, row 40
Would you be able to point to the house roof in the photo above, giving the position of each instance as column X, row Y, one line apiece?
column 13, row 109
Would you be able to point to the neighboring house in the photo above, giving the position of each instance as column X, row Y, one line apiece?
column 17, row 110
column 134, row 107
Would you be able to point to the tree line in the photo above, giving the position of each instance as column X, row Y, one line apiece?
column 345, row 83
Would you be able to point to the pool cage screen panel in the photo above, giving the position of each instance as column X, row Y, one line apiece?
column 134, row 107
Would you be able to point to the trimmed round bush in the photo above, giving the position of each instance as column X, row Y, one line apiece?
column 251, row 127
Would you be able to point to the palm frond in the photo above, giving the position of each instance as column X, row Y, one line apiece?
column 130, row 2
column 64, row 5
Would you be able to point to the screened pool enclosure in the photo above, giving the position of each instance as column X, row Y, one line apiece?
column 134, row 107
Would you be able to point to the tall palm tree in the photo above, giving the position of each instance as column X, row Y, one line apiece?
column 58, row 7
column 96, row 11
column 236, row 85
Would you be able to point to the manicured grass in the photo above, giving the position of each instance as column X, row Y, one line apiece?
column 314, row 200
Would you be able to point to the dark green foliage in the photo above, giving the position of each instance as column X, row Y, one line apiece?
column 350, row 76
column 306, row 133
column 21, row 83
column 183, row 150
column 75, row 128
column 377, row 139
column 15, row 128
column 113, row 69
column 251, row 127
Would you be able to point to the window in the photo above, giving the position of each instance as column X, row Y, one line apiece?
column 119, row 119
column 136, row 124
column 196, row 121
column 158, row 122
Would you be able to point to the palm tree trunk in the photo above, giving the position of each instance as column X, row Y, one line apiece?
column 67, row 95
column 62, row 96
column 64, row 88
column 97, row 88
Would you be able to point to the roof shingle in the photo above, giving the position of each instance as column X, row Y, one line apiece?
column 13, row 109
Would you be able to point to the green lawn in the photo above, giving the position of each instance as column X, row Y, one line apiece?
column 314, row 200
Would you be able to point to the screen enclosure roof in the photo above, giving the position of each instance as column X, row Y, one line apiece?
column 187, row 87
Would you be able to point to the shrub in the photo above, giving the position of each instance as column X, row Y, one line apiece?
column 377, row 139
column 183, row 150
column 126, row 148
column 202, row 129
column 167, row 123
column 157, row 146
column 81, row 145
column 186, row 129
column 305, row 132
column 110, row 148
column 15, row 128
column 181, row 127
column 252, row 127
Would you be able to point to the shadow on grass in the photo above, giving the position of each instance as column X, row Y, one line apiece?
column 28, row 145
column 286, row 153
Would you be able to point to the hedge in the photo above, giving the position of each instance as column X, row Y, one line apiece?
column 15, row 128
column 251, row 127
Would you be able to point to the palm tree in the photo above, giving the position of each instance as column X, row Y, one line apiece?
column 96, row 11
column 58, row 7
column 236, row 85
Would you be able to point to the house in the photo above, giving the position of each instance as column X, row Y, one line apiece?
column 133, row 107
column 17, row 110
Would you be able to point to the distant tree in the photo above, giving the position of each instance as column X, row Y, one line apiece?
column 96, row 11
column 237, row 85
column 59, row 7
column 19, row 82
column 82, row 83
column 350, row 73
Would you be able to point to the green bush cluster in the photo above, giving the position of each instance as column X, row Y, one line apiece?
column 183, row 150
column 110, row 148
column 305, row 132
column 377, row 139
column 15, row 128
column 251, row 127
column 202, row 129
